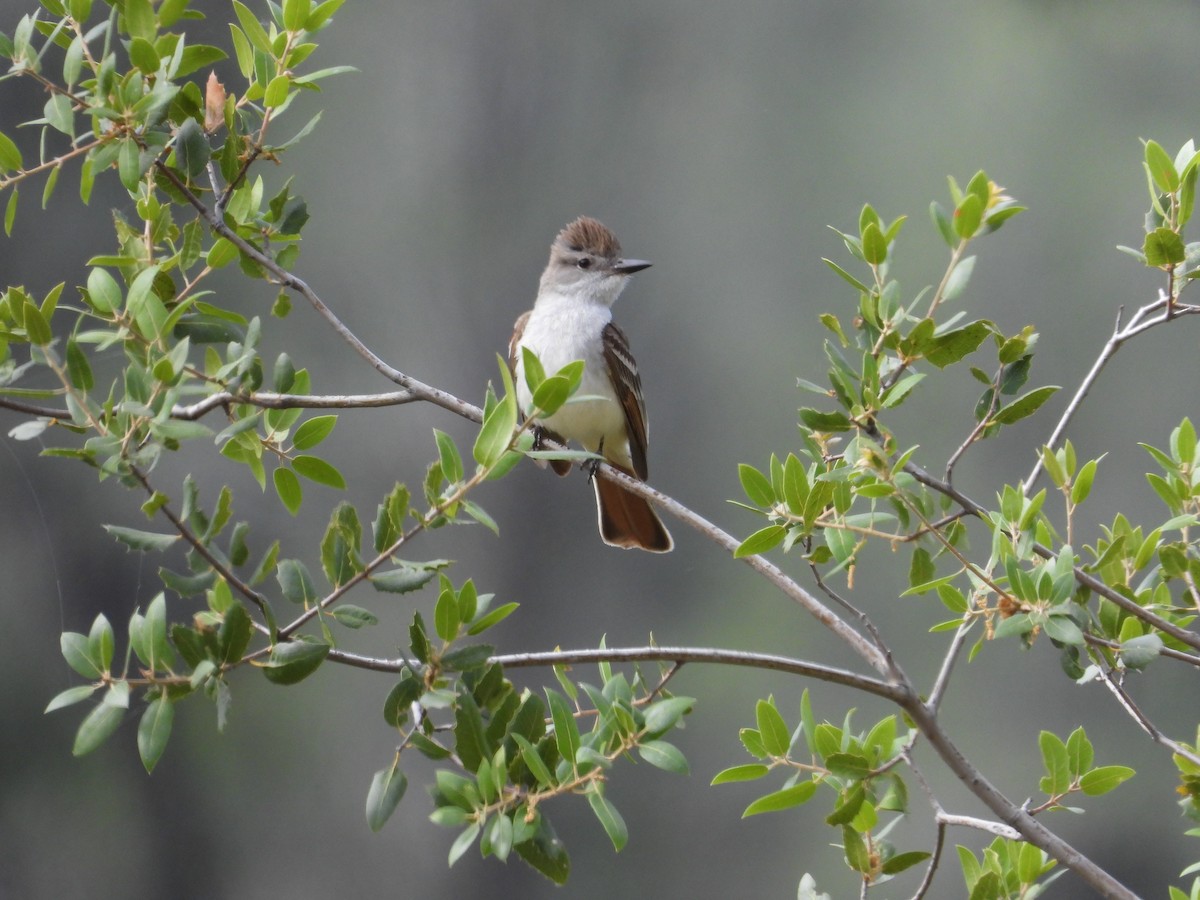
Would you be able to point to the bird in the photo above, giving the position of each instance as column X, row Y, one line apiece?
column 571, row 320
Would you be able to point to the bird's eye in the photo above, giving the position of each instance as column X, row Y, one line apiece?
column 585, row 262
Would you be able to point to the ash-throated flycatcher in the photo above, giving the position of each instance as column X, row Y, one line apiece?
column 572, row 319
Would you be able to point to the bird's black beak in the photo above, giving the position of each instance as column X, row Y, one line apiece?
column 629, row 266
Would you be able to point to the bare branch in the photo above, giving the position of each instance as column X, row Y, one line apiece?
column 1166, row 310
column 677, row 655
column 1143, row 721
column 943, row 676
column 47, row 412
column 995, row 828
column 271, row 400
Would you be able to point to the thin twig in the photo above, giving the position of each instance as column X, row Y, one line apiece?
column 934, row 859
column 224, row 571
column 943, row 676
column 1143, row 721
column 896, row 673
column 1138, row 323
column 994, row 828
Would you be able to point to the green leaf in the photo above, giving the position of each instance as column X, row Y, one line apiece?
column 463, row 659
column 484, row 622
column 295, row 14
column 1139, row 652
column 295, row 582
column 1163, row 247
column 445, row 616
column 78, row 369
column 221, row 253
column 144, row 305
column 968, row 216
column 1103, row 779
column 902, row 861
column 196, row 57
column 402, row 580
column 96, row 728
column 1161, row 168
column 352, row 616
column 294, row 661
column 761, row 541
column 192, row 151
column 277, row 91
column 340, row 545
column 463, row 842
column 77, row 651
column 772, row 728
column 664, row 714
column 1079, row 752
column 817, row 420
column 139, row 19
column 787, row 798
column 10, row 212
column 234, row 635
column 143, row 55
column 496, row 433
column 316, row 469
column 254, row 31
column 1083, row 482
column 1057, row 762
column 610, row 819
column 544, row 851
column 71, row 696
column 664, row 756
column 850, row 279
column 951, row 346
column 141, row 540
column 874, row 246
column 551, row 394
column 848, row 765
column 1023, row 406
column 60, row 115
column 154, row 730
column 36, row 326
column 288, row 489
column 448, row 456
column 51, row 181
column 129, row 165
column 313, row 432
column 747, row 772
column 1064, row 630
column 566, row 731
column 470, row 736
column 386, row 791
column 400, row 698
column 10, row 156
column 756, row 485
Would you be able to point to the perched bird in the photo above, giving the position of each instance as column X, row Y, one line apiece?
column 571, row 320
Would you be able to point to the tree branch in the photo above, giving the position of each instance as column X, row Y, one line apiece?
column 677, row 655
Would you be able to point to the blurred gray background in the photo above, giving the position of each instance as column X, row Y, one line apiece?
column 718, row 140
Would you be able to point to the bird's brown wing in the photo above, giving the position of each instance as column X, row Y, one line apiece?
column 514, row 342
column 622, row 371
